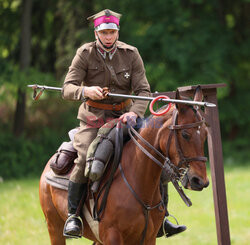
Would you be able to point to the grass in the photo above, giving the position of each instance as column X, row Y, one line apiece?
column 22, row 221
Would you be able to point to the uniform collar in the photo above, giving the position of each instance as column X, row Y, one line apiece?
column 104, row 53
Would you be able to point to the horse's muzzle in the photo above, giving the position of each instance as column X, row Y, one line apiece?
column 198, row 184
column 194, row 182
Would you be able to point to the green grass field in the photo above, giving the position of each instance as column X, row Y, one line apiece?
column 22, row 221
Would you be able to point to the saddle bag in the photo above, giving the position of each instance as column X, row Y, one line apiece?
column 63, row 160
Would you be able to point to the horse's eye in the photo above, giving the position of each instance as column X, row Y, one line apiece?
column 185, row 135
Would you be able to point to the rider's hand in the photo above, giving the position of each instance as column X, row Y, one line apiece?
column 129, row 118
column 93, row 92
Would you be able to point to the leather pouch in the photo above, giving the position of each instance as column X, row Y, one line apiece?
column 63, row 160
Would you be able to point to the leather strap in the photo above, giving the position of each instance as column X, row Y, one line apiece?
column 110, row 107
column 186, row 126
column 107, row 185
column 146, row 207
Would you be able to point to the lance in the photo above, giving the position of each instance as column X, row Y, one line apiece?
column 126, row 96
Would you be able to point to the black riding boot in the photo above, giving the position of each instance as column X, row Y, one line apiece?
column 73, row 226
column 167, row 228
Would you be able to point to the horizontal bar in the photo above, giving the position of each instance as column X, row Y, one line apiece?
column 126, row 96
column 35, row 86
column 189, row 102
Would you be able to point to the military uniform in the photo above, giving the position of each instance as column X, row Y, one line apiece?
column 122, row 71
column 118, row 67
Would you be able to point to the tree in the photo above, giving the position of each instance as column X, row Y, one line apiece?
column 25, row 57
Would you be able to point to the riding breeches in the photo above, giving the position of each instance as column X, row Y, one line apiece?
column 83, row 138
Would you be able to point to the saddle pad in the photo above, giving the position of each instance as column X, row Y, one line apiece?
column 57, row 181
column 62, row 182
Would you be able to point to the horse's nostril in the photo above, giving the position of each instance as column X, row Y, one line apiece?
column 196, row 181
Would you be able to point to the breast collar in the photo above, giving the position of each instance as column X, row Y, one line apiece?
column 105, row 53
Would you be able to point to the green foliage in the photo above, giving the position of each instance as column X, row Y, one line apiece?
column 21, row 157
column 181, row 42
column 11, row 73
column 9, row 26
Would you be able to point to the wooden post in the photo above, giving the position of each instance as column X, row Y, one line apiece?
column 215, row 157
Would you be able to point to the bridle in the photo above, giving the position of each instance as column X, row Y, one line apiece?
column 167, row 164
column 175, row 173
column 184, row 161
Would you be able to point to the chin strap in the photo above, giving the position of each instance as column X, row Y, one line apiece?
column 104, row 46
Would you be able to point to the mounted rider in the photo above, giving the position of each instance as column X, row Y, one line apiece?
column 110, row 63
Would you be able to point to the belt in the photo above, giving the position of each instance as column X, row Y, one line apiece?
column 111, row 107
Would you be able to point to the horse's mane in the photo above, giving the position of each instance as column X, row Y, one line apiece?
column 164, row 117
column 162, row 108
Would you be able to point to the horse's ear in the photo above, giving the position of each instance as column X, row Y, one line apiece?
column 179, row 106
column 177, row 97
column 198, row 95
column 177, row 94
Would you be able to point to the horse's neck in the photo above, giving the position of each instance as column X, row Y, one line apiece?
column 144, row 174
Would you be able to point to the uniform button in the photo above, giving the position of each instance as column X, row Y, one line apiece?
column 113, row 82
column 112, row 90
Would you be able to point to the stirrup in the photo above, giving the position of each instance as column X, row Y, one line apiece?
column 163, row 226
column 172, row 229
column 73, row 216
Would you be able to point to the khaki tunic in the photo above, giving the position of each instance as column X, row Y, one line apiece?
column 123, row 74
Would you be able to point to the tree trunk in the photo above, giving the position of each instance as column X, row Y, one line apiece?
column 25, row 54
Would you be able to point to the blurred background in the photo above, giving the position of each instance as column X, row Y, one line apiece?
column 182, row 42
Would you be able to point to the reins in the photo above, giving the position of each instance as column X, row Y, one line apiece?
column 166, row 159
column 167, row 166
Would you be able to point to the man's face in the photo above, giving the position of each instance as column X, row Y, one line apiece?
column 107, row 37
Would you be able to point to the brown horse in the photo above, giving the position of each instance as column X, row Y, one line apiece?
column 123, row 220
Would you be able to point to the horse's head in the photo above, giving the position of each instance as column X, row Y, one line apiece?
column 185, row 144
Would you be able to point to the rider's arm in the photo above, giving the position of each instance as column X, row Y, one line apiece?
column 73, row 83
column 140, row 85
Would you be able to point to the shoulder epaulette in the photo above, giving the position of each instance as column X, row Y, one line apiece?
column 86, row 46
column 122, row 45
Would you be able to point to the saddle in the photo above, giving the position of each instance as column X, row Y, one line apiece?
column 99, row 153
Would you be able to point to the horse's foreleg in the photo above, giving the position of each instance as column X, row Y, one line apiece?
column 113, row 237
column 55, row 229
column 54, row 222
